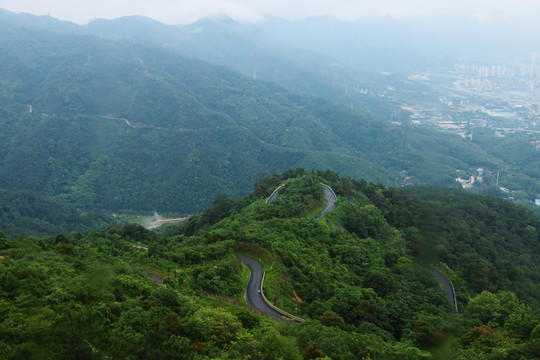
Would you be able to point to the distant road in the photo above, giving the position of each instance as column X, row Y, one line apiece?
column 447, row 286
column 255, row 295
column 155, row 277
column 274, row 195
column 330, row 198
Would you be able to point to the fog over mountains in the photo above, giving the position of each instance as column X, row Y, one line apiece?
column 369, row 44
column 135, row 115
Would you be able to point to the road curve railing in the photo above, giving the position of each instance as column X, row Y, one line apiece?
column 329, row 188
column 254, row 293
column 284, row 313
column 330, row 197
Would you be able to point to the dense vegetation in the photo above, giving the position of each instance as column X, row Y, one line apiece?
column 497, row 240
column 33, row 214
column 521, row 169
column 120, row 125
column 361, row 277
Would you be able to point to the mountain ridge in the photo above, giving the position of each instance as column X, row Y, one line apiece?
column 197, row 127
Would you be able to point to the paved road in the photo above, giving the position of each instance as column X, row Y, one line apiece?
column 330, row 197
column 155, row 277
column 274, row 195
column 254, row 294
column 447, row 286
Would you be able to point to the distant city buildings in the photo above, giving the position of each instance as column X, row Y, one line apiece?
column 475, row 101
column 528, row 71
column 521, row 76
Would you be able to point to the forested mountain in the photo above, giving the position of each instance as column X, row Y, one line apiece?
column 361, row 277
column 121, row 125
column 245, row 48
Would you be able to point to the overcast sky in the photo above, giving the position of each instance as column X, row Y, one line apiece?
column 187, row 11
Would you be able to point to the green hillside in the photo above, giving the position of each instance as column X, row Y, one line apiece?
column 23, row 211
column 247, row 49
column 360, row 276
column 119, row 125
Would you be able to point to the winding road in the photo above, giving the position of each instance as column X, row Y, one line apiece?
column 447, row 287
column 254, row 292
column 255, row 295
column 330, row 197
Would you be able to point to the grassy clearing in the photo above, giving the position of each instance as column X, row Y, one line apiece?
column 313, row 212
column 244, row 279
column 256, row 252
column 278, row 290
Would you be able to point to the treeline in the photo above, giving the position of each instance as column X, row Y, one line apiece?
column 30, row 213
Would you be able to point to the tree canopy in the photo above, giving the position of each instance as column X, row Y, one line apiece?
column 361, row 277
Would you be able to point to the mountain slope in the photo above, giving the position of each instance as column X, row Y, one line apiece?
column 246, row 48
column 121, row 125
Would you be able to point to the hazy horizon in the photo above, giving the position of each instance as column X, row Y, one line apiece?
column 174, row 12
